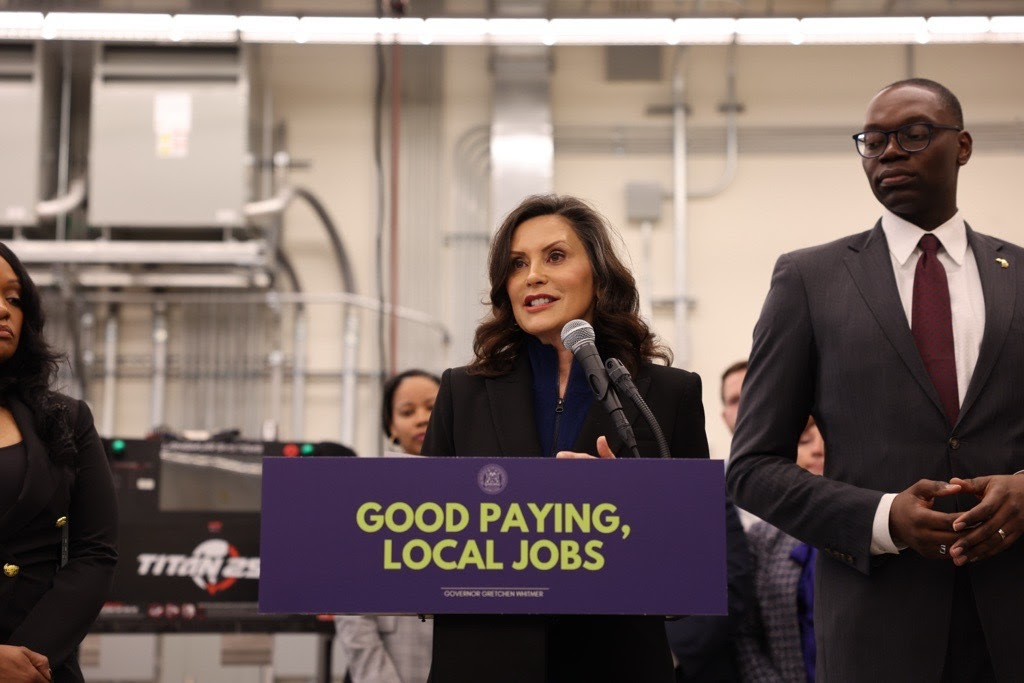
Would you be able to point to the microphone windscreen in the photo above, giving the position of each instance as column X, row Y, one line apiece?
column 576, row 332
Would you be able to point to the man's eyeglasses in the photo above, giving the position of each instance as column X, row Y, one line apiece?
column 912, row 137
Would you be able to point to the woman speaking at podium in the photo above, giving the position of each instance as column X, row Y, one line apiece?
column 553, row 261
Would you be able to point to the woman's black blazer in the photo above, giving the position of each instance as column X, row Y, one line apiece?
column 45, row 607
column 475, row 416
column 493, row 417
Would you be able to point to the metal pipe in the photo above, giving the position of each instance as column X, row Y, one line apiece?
column 270, row 207
column 73, row 304
column 110, row 369
column 731, row 108
column 252, row 391
column 64, row 203
column 469, row 242
column 209, row 365
column 679, row 208
column 646, row 285
column 192, row 363
column 255, row 386
column 157, row 397
column 299, row 375
column 86, row 352
column 275, row 359
column 350, row 356
column 393, row 217
column 266, row 172
column 362, row 301
column 227, row 367
column 64, row 156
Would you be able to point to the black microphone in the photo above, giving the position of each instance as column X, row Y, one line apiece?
column 578, row 337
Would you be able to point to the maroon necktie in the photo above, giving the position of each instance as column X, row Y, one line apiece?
column 932, row 326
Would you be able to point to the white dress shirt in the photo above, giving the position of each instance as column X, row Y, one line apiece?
column 967, row 304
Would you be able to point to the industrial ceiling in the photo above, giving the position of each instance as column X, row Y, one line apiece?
column 542, row 8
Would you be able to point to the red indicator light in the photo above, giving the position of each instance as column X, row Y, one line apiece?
column 290, row 450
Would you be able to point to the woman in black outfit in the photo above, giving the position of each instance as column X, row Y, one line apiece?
column 552, row 261
column 55, row 492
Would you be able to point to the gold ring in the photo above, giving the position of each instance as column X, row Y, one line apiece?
column 1002, row 534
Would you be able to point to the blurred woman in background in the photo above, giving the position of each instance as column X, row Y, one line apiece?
column 58, row 508
column 408, row 399
column 394, row 649
column 776, row 641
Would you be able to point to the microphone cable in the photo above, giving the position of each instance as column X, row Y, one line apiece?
column 619, row 376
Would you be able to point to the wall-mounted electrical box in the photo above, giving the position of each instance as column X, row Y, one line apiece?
column 28, row 130
column 169, row 132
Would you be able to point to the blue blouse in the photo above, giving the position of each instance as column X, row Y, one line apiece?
column 559, row 419
column 805, row 555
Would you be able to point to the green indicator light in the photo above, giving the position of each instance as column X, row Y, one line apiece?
column 117, row 445
column 307, row 449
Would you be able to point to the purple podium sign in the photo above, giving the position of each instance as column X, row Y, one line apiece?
column 492, row 536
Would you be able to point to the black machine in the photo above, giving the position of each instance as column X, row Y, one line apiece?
column 189, row 536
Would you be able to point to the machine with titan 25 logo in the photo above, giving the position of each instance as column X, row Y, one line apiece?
column 189, row 536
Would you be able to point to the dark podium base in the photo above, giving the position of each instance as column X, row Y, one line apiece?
column 550, row 649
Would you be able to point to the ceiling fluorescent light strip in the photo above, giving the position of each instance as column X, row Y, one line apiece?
column 454, row 31
column 21, row 25
column 1006, row 29
column 263, row 29
column 958, row 29
column 505, row 31
column 619, row 32
column 516, row 31
column 106, row 26
column 1006, row 25
column 768, row 31
column 862, row 30
column 703, row 31
column 221, row 28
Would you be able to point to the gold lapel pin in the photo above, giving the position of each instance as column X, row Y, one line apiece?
column 1003, row 263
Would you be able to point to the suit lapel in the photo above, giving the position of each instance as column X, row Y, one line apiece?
column 511, row 399
column 870, row 266
column 41, row 477
column 999, row 287
column 598, row 422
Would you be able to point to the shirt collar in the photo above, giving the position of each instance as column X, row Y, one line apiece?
column 903, row 236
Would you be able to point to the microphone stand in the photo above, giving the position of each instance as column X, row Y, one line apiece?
column 619, row 376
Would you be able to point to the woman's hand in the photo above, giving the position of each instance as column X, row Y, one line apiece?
column 603, row 451
column 22, row 664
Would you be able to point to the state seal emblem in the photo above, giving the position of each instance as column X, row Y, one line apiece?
column 492, row 479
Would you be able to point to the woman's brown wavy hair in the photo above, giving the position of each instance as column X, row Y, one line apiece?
column 620, row 332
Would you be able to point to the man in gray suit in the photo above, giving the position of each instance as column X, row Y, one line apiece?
column 908, row 353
